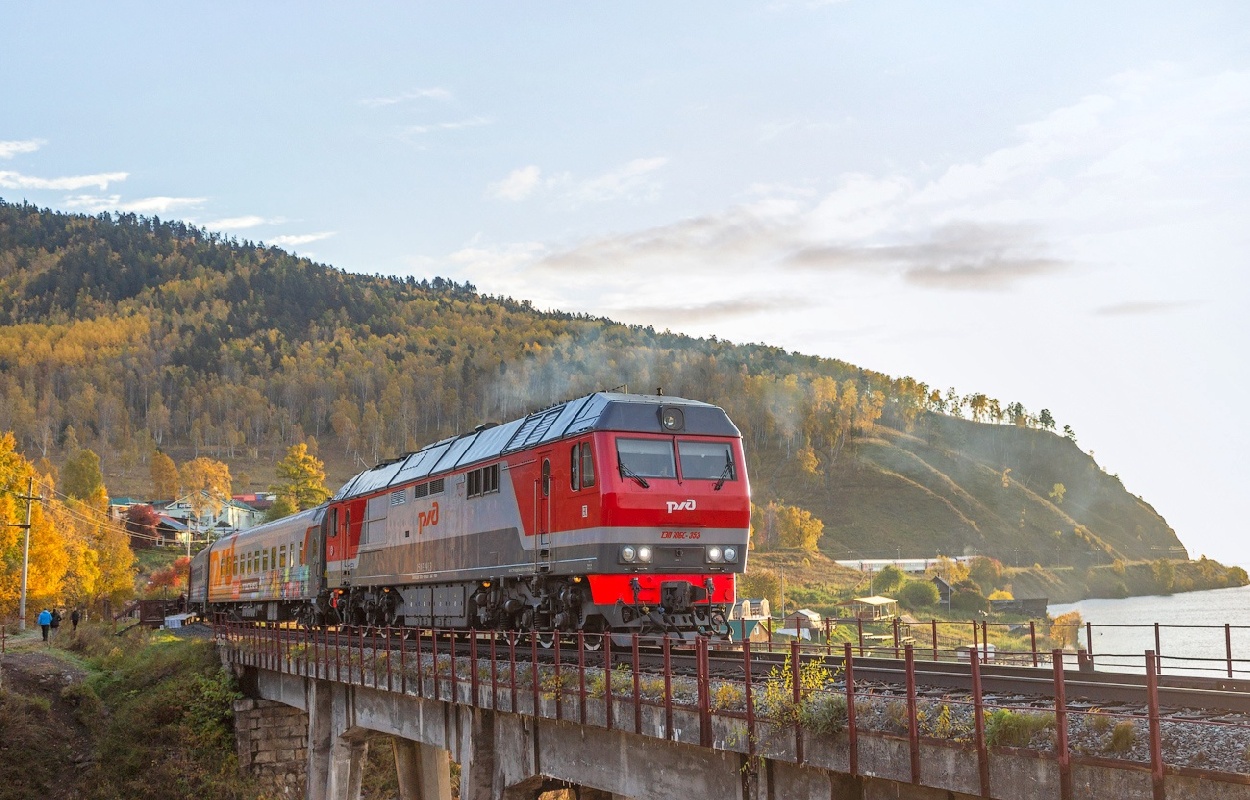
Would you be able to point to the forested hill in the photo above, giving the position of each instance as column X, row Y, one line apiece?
column 125, row 334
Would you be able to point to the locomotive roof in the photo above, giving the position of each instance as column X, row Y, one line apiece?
column 599, row 411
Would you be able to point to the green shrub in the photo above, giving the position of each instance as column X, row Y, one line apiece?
column 1015, row 728
column 825, row 713
column 919, row 594
column 1123, row 737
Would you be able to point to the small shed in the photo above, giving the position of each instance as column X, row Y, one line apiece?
column 944, row 589
column 802, row 623
column 875, row 607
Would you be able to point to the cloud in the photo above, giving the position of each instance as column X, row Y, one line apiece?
column 1139, row 308
column 519, row 184
column 295, row 240
column 628, row 180
column 144, row 205
column 715, row 311
column 15, row 180
column 247, row 221
column 435, row 93
column 472, row 122
column 11, row 148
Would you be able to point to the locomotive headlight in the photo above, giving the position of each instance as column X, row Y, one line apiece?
column 672, row 418
column 644, row 554
column 715, row 555
column 628, row 554
column 731, row 554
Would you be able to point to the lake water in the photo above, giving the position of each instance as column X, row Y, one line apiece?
column 1191, row 631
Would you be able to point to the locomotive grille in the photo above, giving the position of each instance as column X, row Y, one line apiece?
column 398, row 498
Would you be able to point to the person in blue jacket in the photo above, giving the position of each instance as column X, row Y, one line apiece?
column 45, row 622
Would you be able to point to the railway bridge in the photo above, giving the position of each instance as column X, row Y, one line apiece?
column 521, row 720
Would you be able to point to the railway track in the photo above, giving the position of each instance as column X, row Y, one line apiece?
column 1180, row 697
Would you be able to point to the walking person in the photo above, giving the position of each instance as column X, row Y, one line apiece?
column 74, row 617
column 55, row 622
column 45, row 622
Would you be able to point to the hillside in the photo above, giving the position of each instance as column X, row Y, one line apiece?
column 124, row 334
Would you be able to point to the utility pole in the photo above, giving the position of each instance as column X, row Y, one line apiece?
column 30, row 499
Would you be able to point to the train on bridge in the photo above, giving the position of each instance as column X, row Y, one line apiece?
column 613, row 513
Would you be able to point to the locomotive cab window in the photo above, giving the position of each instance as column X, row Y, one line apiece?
column 546, row 477
column 646, row 458
column 707, row 460
column 581, row 467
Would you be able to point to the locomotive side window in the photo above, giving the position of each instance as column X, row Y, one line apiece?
column 647, row 458
column 709, row 460
column 334, row 522
column 546, row 477
column 588, row 466
column 483, row 481
column 581, row 467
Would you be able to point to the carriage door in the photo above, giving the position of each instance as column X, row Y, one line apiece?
column 542, row 525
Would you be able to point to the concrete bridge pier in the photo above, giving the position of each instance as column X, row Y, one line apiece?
column 424, row 770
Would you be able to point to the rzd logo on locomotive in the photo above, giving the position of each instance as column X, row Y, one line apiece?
column 427, row 519
column 683, row 505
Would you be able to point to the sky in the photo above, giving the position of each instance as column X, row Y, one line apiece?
column 1045, row 202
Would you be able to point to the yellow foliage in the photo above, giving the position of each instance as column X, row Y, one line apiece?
column 1001, row 594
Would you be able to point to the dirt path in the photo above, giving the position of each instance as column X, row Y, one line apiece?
column 46, row 748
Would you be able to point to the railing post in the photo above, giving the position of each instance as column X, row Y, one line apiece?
column 668, row 684
column 985, row 642
column 913, row 721
column 451, row 650
column 1089, row 641
column 338, row 661
column 362, row 655
column 420, row 674
column 637, row 687
column 1228, row 647
column 1156, row 739
column 746, row 671
column 896, row 637
column 607, row 685
column 976, row 641
column 935, row 647
column 1061, row 728
column 848, row 666
column 512, row 666
column 1033, row 640
column 1158, row 652
column 434, row 658
column 494, row 670
column 403, row 667
column 390, row 685
column 534, row 676
column 473, row 665
column 559, row 682
column 859, row 625
column 705, row 711
column 581, row 675
column 978, row 722
column 796, row 678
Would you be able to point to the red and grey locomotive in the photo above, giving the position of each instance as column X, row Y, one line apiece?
column 613, row 513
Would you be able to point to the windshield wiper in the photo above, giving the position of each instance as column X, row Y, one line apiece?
column 626, row 472
column 725, row 475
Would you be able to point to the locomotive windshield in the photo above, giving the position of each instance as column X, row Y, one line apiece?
column 710, row 460
column 647, row 458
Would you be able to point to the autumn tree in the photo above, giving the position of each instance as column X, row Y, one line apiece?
column 781, row 525
column 303, row 478
column 206, row 483
column 164, row 477
column 141, row 521
column 82, row 477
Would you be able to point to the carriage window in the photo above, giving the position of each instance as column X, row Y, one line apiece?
column 282, row 557
column 301, row 552
column 710, row 460
column 646, row 458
